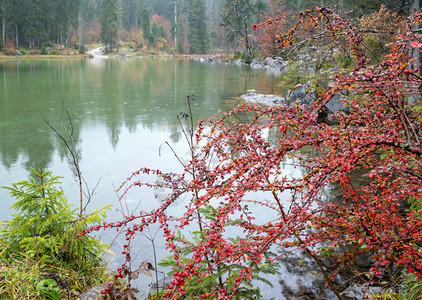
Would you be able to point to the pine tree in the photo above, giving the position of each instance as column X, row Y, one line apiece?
column 197, row 27
column 109, row 20
column 145, row 23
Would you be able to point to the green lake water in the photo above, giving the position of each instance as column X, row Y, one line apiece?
column 122, row 111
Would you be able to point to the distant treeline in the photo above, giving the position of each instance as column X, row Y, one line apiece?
column 186, row 26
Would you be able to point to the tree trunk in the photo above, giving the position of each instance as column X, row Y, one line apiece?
column 3, row 24
column 415, row 6
column 80, row 29
column 415, row 53
column 247, row 46
column 17, row 37
column 187, row 28
column 175, row 24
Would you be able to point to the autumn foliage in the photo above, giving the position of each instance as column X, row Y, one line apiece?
column 372, row 157
column 380, row 28
column 266, row 35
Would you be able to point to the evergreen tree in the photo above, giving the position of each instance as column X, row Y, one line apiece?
column 197, row 27
column 145, row 23
column 131, row 11
column 109, row 20
column 155, row 34
column 88, row 11
column 368, row 6
column 35, row 31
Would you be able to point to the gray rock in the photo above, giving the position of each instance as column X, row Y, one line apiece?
column 299, row 95
column 263, row 99
column 276, row 62
column 302, row 96
column 239, row 62
column 94, row 293
column 334, row 106
column 357, row 292
column 257, row 66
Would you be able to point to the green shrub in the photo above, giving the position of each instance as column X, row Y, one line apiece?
column 82, row 49
column 296, row 74
column 243, row 56
column 55, row 52
column 345, row 61
column 43, row 50
column 40, row 247
column 227, row 273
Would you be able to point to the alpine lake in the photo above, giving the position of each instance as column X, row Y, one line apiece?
column 123, row 112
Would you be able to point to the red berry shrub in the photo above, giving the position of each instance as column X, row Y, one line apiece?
column 231, row 161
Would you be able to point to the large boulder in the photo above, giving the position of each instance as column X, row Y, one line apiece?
column 256, row 64
column 276, row 63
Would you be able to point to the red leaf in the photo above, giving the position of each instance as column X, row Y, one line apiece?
column 416, row 45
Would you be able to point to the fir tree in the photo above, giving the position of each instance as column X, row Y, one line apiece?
column 109, row 21
column 197, row 27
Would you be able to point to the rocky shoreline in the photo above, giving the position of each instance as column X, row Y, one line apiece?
column 305, row 96
column 302, row 94
column 276, row 63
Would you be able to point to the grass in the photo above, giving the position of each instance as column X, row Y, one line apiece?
column 29, row 277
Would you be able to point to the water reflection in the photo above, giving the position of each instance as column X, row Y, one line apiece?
column 122, row 111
